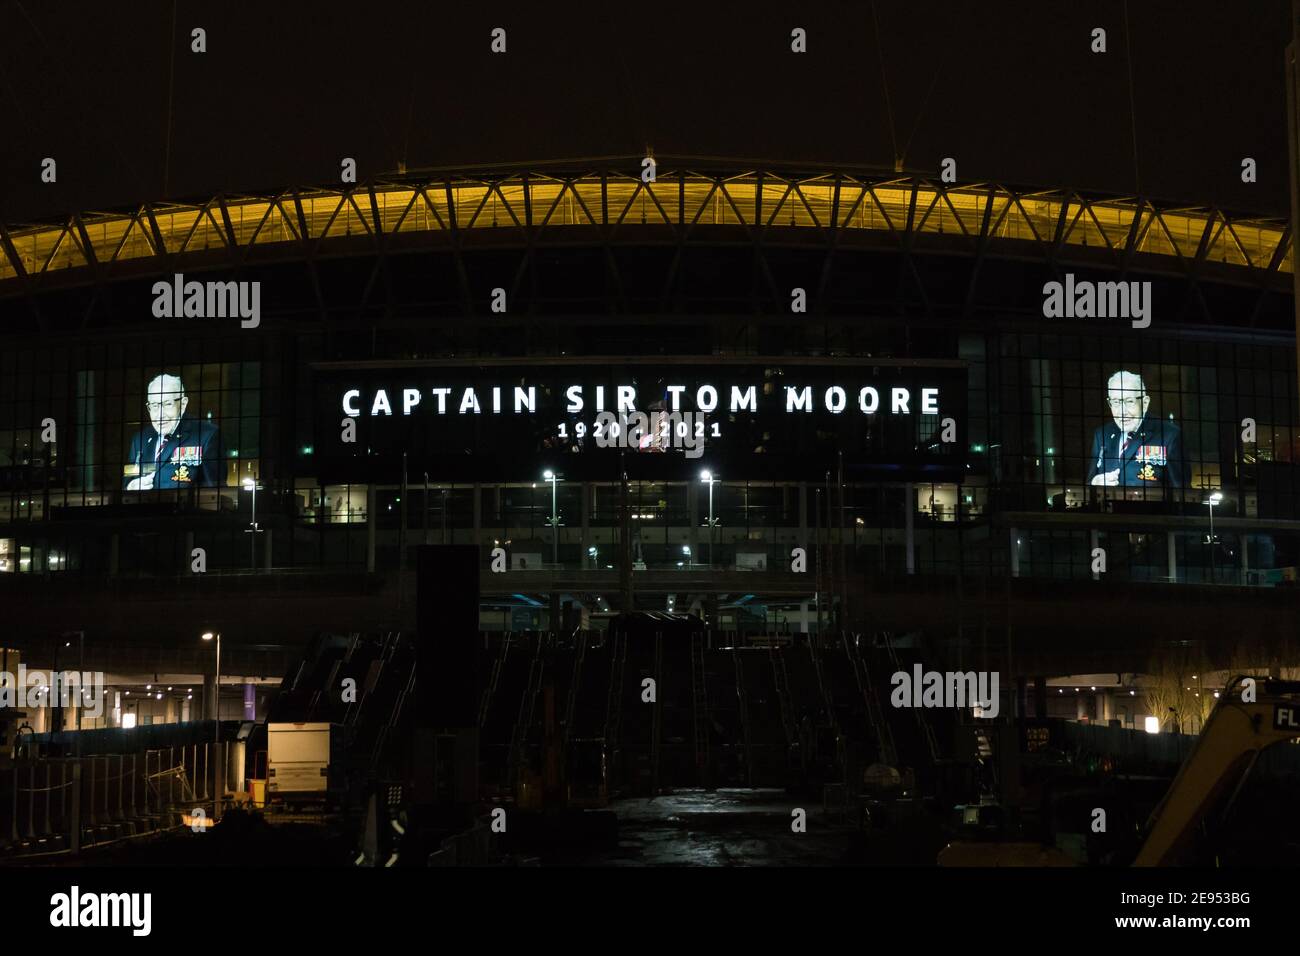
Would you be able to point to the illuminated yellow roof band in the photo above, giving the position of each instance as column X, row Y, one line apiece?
column 1051, row 219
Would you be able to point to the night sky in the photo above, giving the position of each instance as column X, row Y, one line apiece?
column 286, row 89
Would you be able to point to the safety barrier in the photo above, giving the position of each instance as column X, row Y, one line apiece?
column 70, row 804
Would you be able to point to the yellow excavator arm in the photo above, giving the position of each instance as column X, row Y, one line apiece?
column 1252, row 714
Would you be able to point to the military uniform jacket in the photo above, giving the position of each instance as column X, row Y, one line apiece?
column 191, row 455
column 1152, row 458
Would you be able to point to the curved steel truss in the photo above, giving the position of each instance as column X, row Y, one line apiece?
column 542, row 203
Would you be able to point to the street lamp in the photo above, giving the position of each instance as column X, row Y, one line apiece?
column 1213, row 500
column 251, row 485
column 553, row 478
column 216, row 687
column 707, row 476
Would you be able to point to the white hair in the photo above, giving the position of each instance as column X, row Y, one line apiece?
column 171, row 385
column 1124, row 377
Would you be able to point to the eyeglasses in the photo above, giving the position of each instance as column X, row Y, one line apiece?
column 1126, row 402
column 159, row 406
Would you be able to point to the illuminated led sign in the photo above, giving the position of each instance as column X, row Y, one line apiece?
column 489, row 421
column 497, row 400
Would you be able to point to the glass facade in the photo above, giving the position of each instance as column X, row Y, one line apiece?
column 128, row 430
column 1070, row 440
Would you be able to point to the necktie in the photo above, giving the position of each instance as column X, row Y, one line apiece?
column 162, row 440
column 1128, row 437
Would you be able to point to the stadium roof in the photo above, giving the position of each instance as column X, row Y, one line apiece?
column 606, row 200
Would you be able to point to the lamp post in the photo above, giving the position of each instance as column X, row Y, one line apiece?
column 1213, row 500
column 553, row 478
column 216, row 687
column 251, row 485
column 707, row 476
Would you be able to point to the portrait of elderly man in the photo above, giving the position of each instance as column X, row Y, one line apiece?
column 176, row 450
column 1135, row 448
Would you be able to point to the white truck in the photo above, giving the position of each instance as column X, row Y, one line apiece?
column 298, row 762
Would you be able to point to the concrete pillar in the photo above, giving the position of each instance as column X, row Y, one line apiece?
column 478, row 514
column 584, row 540
column 694, row 520
column 1244, row 545
column 803, row 514
column 787, row 503
column 371, row 499
column 803, row 617
column 75, row 823
column 209, row 696
column 250, row 702
column 1104, row 705
column 909, row 511
column 1080, row 707
column 1171, row 550
column 234, row 756
column 1015, row 553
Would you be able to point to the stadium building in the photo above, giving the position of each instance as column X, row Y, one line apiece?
column 788, row 400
